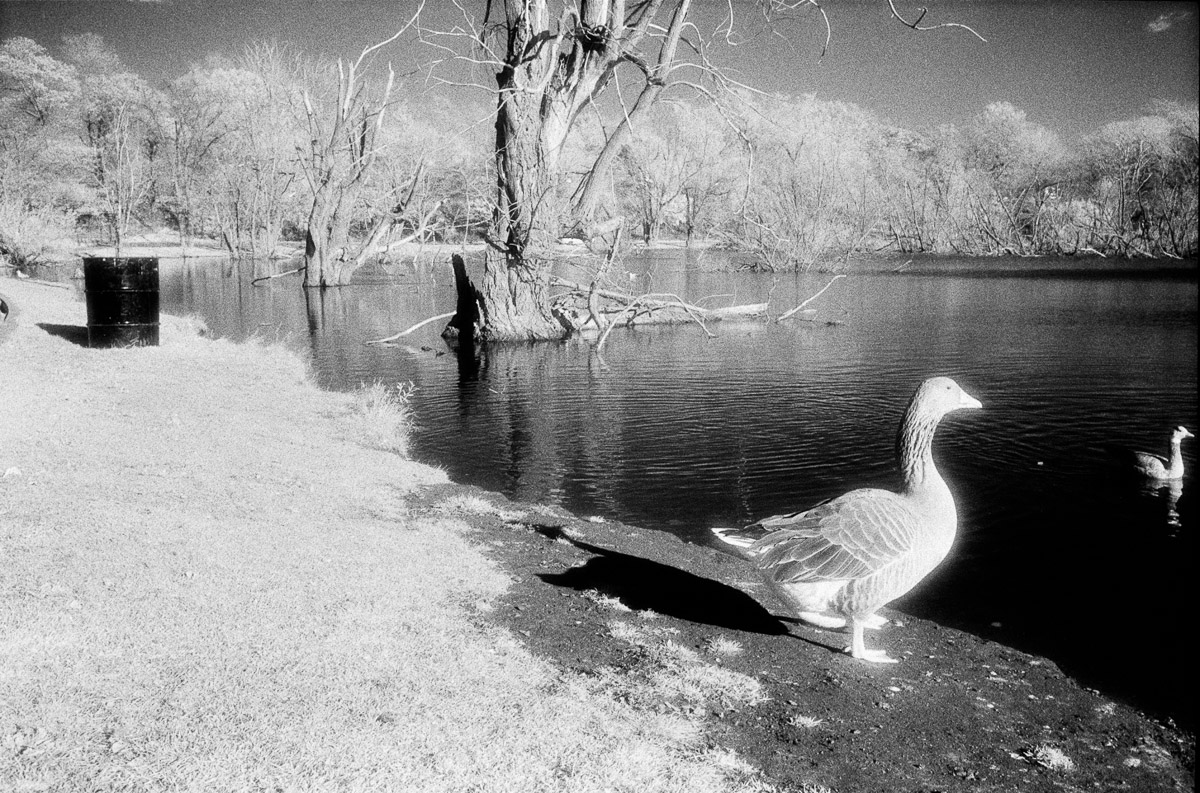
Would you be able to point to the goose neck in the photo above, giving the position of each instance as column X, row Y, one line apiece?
column 1175, row 462
column 914, row 452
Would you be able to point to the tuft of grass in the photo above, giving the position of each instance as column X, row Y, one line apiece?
column 723, row 645
column 385, row 416
column 1048, row 756
column 465, row 504
column 606, row 602
column 805, row 722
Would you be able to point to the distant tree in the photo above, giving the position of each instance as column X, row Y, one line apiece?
column 813, row 169
column 42, row 162
column 1015, row 164
column 32, row 83
column 116, row 125
column 676, row 165
column 198, row 121
column 1143, row 182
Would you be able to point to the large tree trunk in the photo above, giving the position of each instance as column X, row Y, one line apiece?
column 553, row 69
column 516, row 293
column 530, row 131
column 326, row 246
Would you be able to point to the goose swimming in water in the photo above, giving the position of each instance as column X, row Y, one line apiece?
column 1155, row 466
column 842, row 560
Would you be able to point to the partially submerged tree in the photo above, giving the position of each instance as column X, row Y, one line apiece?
column 552, row 61
column 342, row 145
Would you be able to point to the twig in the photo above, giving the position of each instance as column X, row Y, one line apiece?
column 811, row 299
column 916, row 25
column 277, row 275
column 420, row 324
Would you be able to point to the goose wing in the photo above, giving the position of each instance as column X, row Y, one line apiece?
column 1132, row 457
column 849, row 537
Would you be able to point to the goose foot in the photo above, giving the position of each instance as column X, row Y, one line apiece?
column 859, row 650
column 871, row 656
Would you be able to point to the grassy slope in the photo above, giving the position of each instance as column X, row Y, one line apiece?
column 208, row 582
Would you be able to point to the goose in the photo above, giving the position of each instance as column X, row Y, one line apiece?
column 1153, row 466
column 843, row 559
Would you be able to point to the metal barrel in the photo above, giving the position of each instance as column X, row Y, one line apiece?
column 122, row 301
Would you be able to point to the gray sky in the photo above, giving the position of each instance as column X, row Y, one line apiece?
column 1071, row 66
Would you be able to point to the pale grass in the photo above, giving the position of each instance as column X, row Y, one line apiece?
column 723, row 645
column 208, row 583
column 805, row 722
column 466, row 504
column 668, row 670
column 605, row 601
column 385, row 416
column 1051, row 757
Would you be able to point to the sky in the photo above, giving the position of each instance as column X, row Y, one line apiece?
column 1071, row 66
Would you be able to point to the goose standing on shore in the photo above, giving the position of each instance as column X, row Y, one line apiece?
column 842, row 560
column 1154, row 466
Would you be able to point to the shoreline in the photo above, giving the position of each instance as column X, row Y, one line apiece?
column 613, row 607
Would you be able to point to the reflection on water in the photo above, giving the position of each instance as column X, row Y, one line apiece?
column 677, row 431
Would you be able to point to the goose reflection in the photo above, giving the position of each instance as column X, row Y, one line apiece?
column 1168, row 491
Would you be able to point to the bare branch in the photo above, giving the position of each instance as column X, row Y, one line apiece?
column 916, row 25
column 407, row 331
column 811, row 299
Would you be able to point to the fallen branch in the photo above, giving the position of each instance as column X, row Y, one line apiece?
column 277, row 275
column 811, row 299
column 657, row 301
column 407, row 331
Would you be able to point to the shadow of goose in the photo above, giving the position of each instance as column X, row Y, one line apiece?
column 644, row 584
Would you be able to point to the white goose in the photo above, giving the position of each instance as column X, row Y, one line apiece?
column 1155, row 466
column 845, row 558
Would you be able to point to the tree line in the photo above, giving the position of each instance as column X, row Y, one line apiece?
column 261, row 150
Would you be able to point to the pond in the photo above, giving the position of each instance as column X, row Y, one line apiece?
column 677, row 431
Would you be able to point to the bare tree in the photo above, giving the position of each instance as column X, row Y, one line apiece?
column 341, row 149
column 117, row 128
column 551, row 66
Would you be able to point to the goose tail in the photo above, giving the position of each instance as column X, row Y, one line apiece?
column 734, row 537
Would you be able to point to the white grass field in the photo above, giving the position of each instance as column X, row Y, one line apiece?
column 210, row 581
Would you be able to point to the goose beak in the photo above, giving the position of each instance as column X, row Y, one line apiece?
column 965, row 400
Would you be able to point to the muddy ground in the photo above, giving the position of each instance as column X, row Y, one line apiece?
column 958, row 713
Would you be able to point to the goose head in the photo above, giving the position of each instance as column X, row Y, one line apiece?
column 933, row 399
column 1180, row 433
column 938, row 396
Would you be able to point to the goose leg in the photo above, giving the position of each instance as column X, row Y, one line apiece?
column 858, row 648
column 821, row 620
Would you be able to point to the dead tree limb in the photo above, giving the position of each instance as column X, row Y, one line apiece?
column 276, row 275
column 811, row 299
column 407, row 331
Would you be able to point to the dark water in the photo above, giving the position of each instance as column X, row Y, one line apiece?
column 677, row 431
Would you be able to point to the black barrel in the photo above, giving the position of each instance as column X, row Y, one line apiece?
column 122, row 301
